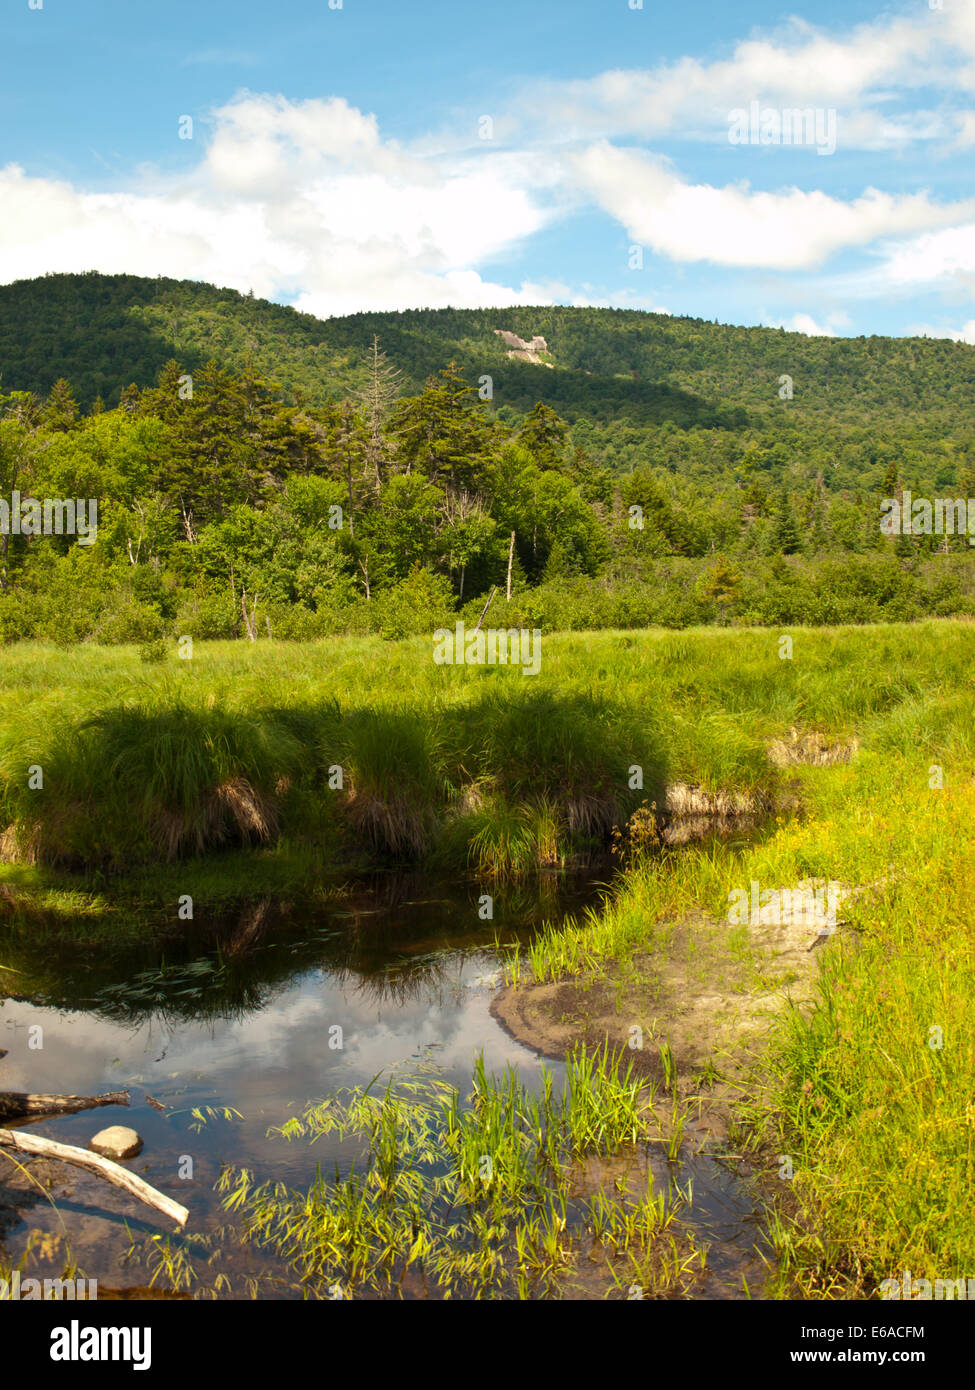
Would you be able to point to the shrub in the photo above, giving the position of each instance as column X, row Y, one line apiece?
column 420, row 603
column 207, row 616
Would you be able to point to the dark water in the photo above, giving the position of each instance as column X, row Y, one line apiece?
column 239, row 1011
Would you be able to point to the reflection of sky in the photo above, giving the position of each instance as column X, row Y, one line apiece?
column 286, row 1043
column 266, row 1065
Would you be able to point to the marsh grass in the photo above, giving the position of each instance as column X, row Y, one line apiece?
column 134, row 781
column 867, row 1085
column 880, row 1124
column 144, row 765
column 455, row 1199
column 397, row 780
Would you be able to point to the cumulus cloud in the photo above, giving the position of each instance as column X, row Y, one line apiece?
column 797, row 66
column 791, row 230
column 938, row 259
column 299, row 200
column 957, row 335
column 805, row 323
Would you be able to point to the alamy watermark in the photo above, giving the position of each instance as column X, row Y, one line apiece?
column 770, row 125
column 919, row 516
column 77, row 1343
column 924, row 1289
column 50, row 516
column 515, row 646
column 19, row 1290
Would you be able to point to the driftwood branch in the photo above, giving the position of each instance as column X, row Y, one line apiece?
column 103, row 1167
column 19, row 1105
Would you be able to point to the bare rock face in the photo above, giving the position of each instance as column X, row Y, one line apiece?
column 522, row 351
column 116, row 1142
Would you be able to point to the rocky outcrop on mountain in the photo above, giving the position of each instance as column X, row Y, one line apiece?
column 519, row 350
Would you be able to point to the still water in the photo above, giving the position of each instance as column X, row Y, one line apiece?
column 258, row 1011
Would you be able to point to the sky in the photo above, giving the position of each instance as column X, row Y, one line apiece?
column 808, row 166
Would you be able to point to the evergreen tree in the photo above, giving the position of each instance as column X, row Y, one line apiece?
column 785, row 535
column 544, row 435
column 442, row 433
column 61, row 408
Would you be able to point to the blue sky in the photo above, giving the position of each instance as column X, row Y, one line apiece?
column 387, row 155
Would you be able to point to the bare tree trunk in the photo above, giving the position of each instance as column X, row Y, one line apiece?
column 494, row 590
column 511, row 559
column 104, row 1167
column 187, row 523
column 18, row 1105
column 249, row 620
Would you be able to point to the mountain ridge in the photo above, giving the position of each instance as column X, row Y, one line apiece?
column 101, row 332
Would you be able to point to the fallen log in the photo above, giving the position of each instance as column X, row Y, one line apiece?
column 20, row 1105
column 94, row 1163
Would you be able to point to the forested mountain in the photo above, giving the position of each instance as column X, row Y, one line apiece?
column 103, row 332
column 369, row 472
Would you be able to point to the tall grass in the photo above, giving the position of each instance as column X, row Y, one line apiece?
column 239, row 745
column 507, row 775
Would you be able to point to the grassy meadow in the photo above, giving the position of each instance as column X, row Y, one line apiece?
column 147, row 769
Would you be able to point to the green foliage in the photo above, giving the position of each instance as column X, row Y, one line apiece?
column 259, row 486
column 420, row 603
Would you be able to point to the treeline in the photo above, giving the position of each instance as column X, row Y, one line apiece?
column 102, row 332
column 227, row 508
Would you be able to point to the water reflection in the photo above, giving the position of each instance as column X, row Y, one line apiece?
column 259, row 1009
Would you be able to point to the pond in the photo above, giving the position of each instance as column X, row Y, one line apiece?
column 233, row 1024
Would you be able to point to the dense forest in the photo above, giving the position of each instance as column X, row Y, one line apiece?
column 259, row 471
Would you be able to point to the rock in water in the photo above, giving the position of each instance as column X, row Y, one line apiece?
column 116, row 1142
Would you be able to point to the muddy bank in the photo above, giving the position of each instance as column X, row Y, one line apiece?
column 694, row 1017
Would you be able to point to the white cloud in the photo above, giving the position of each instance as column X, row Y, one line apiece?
column 294, row 199
column 797, row 66
column 965, row 134
column 791, row 230
column 937, row 258
column 805, row 323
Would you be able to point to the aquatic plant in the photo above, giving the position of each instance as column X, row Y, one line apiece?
column 472, row 1200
